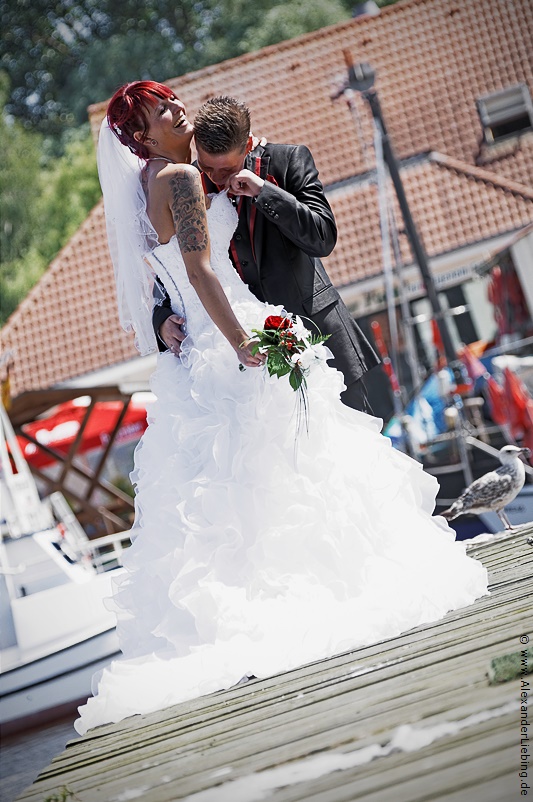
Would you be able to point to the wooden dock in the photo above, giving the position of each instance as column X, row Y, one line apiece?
column 411, row 719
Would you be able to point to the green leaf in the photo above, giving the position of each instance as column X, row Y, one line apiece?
column 317, row 339
column 277, row 365
column 296, row 379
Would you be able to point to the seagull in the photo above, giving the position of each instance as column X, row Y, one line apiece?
column 494, row 490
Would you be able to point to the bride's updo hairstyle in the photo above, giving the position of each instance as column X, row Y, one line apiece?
column 126, row 112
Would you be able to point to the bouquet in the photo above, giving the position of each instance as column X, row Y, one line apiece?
column 290, row 349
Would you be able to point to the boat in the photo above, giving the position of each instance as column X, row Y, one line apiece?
column 451, row 435
column 55, row 629
column 454, row 416
column 478, row 458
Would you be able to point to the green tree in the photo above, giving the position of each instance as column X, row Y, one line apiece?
column 49, row 50
column 16, row 280
column 278, row 21
column 43, row 200
column 64, row 55
column 289, row 20
column 69, row 190
column 19, row 183
column 42, row 43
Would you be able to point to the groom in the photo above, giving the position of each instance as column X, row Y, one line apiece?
column 285, row 225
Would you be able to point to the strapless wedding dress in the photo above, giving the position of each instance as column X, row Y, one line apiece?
column 251, row 555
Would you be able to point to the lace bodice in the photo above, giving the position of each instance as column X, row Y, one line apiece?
column 167, row 262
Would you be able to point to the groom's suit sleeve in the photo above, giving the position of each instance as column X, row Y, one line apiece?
column 297, row 204
column 160, row 312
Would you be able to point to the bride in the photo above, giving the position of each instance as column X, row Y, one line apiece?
column 259, row 544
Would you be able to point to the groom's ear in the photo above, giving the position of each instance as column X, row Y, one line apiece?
column 249, row 144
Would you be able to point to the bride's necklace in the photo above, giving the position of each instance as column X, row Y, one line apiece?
column 160, row 158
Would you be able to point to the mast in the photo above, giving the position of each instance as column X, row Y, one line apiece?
column 361, row 78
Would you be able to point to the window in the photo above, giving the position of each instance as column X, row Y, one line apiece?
column 506, row 113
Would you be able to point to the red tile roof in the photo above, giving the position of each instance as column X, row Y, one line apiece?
column 433, row 58
column 453, row 204
column 68, row 323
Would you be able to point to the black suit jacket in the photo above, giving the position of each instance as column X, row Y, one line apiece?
column 293, row 226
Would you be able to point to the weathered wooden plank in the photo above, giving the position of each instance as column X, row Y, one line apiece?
column 470, row 785
column 332, row 665
column 386, row 774
column 316, row 698
column 467, row 780
column 378, row 714
column 332, row 696
column 332, row 668
column 182, row 783
column 175, row 789
column 430, row 673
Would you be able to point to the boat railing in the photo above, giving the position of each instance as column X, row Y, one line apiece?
column 105, row 553
column 488, row 449
column 467, row 434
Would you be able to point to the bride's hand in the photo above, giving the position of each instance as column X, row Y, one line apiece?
column 246, row 358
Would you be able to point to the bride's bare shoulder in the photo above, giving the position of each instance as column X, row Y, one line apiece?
column 183, row 180
column 187, row 172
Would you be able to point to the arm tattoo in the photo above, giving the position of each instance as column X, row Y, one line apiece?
column 144, row 181
column 188, row 212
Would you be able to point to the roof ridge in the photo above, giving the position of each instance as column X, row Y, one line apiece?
column 481, row 173
column 284, row 44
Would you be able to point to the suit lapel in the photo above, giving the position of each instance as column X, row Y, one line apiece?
column 258, row 163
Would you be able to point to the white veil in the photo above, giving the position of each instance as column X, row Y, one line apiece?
column 130, row 235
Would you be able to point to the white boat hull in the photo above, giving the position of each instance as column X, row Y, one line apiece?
column 37, row 690
column 55, row 628
column 60, row 636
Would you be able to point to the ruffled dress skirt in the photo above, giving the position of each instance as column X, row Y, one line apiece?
column 260, row 544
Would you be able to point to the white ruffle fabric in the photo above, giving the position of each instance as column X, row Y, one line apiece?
column 251, row 556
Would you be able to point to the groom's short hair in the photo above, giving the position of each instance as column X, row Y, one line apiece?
column 222, row 124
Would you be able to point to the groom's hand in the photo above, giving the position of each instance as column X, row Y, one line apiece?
column 171, row 333
column 245, row 183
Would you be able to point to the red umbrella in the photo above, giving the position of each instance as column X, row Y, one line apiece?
column 59, row 430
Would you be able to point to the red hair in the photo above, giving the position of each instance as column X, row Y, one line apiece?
column 126, row 112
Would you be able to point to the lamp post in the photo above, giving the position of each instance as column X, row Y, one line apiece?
column 361, row 78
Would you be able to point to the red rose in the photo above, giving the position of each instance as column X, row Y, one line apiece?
column 277, row 322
